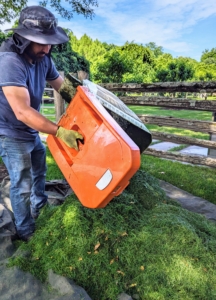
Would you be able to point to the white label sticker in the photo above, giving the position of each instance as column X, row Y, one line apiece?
column 104, row 181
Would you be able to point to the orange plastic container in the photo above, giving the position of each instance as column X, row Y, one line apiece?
column 107, row 158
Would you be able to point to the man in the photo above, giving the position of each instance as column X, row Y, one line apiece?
column 25, row 66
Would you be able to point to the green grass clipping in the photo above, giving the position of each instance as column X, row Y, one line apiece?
column 141, row 243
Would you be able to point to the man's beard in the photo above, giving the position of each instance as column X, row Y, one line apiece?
column 36, row 57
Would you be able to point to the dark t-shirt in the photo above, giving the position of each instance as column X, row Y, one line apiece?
column 15, row 70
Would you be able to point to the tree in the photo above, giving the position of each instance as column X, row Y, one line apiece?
column 157, row 50
column 138, row 53
column 205, row 72
column 178, row 69
column 142, row 62
column 11, row 8
column 83, row 46
column 4, row 36
column 209, row 57
column 68, row 60
column 139, row 73
column 163, row 60
column 111, row 68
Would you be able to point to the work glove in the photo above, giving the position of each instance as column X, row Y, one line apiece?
column 70, row 83
column 69, row 137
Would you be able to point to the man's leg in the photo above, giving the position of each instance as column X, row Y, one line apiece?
column 16, row 155
column 38, row 159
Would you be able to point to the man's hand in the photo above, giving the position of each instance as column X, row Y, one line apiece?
column 69, row 137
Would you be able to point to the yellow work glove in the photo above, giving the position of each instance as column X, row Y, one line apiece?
column 69, row 137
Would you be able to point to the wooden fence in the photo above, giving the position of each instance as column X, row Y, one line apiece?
column 172, row 103
column 179, row 103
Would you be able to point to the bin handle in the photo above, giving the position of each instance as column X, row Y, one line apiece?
column 120, row 189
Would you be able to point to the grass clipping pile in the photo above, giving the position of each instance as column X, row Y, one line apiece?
column 141, row 244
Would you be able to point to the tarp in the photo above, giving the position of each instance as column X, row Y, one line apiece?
column 57, row 191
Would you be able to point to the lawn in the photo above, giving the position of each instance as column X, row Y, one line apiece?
column 48, row 110
column 183, row 114
column 199, row 181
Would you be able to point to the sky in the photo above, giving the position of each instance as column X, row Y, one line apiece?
column 181, row 27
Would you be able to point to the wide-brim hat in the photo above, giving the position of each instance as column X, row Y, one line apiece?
column 39, row 25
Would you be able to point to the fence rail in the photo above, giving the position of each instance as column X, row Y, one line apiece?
column 49, row 99
column 193, row 159
column 194, row 125
column 183, row 140
column 168, row 87
column 181, row 103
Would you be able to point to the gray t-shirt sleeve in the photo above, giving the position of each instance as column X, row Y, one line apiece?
column 52, row 73
column 13, row 71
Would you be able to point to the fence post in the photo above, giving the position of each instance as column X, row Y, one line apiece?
column 212, row 152
column 59, row 102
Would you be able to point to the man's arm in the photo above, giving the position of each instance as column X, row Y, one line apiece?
column 56, row 84
column 19, row 100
